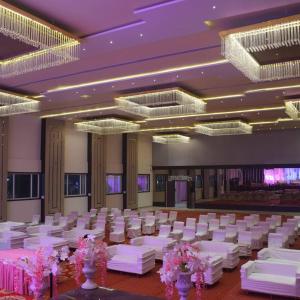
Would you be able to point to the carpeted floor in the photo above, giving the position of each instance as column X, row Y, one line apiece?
column 228, row 288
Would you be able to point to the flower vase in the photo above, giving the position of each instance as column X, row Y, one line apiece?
column 89, row 270
column 183, row 284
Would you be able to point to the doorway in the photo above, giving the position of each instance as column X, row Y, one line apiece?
column 181, row 194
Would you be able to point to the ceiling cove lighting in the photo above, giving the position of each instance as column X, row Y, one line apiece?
column 235, row 127
column 12, row 104
column 239, row 44
column 139, row 75
column 107, row 126
column 292, row 108
column 54, row 46
column 170, row 139
column 75, row 112
column 161, row 103
column 167, row 128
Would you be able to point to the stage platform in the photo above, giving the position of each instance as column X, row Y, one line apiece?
column 268, row 206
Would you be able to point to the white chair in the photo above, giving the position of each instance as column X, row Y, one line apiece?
column 265, row 229
column 219, row 235
column 82, row 223
column 35, row 220
column 202, row 232
column 211, row 216
column 159, row 244
column 257, row 237
column 149, row 226
column 277, row 240
column 135, row 229
column 213, row 224
column 271, row 278
column 189, row 235
column 272, row 224
column 118, row 234
column 242, row 225
column 163, row 220
column 93, row 212
column 100, row 225
column 278, row 219
column 131, row 259
column 232, row 218
column 228, row 251
column 231, row 233
column 244, row 243
column 203, row 219
column 49, row 220
column 256, row 218
column 41, row 230
column 172, row 217
column 280, row 255
column 289, row 229
column 104, row 210
column 177, row 231
column 224, row 221
column 190, row 223
column 164, row 231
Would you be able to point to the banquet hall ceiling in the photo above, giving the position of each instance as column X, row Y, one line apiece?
column 129, row 37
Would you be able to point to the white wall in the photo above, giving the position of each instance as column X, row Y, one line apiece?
column 24, row 146
column 276, row 147
column 145, row 167
column 75, row 162
column 114, row 165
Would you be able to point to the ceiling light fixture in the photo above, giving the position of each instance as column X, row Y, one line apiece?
column 292, row 108
column 170, row 139
column 139, row 75
column 13, row 104
column 54, row 46
column 162, row 103
column 239, row 44
column 234, row 127
column 107, row 126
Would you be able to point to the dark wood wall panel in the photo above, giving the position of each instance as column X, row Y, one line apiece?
column 98, row 171
column 3, row 167
column 54, row 166
column 131, row 172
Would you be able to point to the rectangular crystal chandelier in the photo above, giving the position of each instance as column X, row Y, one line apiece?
column 162, row 103
column 235, row 127
column 292, row 108
column 12, row 104
column 239, row 44
column 54, row 46
column 107, row 126
column 170, row 139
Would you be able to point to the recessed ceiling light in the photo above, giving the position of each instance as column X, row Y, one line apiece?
column 141, row 34
column 83, row 49
column 132, row 83
column 76, row 92
column 177, row 76
column 111, row 42
column 94, row 90
column 241, row 99
column 222, row 101
column 214, row 7
column 112, row 86
column 85, row 96
column 202, row 72
column 154, row 80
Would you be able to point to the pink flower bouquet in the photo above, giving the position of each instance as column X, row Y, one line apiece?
column 95, row 251
column 182, row 258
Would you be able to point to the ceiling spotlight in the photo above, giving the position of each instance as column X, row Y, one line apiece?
column 141, row 34
column 202, row 72
column 112, row 86
column 214, row 7
column 85, row 96
column 177, row 76
column 111, row 42
column 83, row 49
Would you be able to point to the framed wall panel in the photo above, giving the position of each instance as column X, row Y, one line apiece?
column 3, row 167
column 54, row 166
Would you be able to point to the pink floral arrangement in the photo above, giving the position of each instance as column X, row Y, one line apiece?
column 39, row 266
column 183, row 258
column 95, row 251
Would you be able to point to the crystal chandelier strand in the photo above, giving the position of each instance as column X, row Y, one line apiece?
column 29, row 31
column 19, row 108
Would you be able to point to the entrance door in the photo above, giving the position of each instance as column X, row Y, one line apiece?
column 181, row 194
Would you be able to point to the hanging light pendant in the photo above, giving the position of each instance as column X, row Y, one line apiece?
column 170, row 139
column 107, row 126
column 162, row 103
column 54, row 46
column 235, row 127
column 239, row 45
